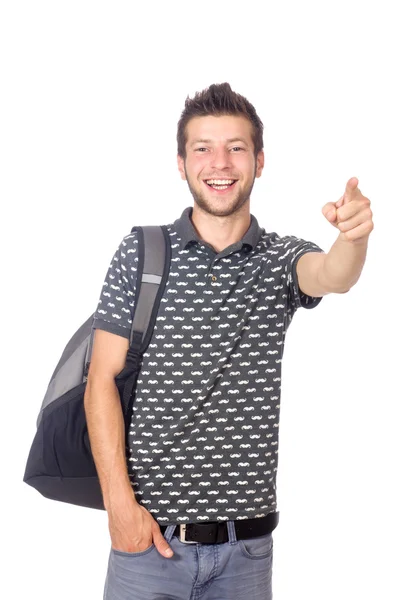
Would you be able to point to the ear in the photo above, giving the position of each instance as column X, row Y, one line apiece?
column 260, row 163
column 181, row 166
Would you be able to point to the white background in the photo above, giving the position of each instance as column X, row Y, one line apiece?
column 91, row 95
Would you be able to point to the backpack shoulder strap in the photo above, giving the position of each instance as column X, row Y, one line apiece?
column 154, row 261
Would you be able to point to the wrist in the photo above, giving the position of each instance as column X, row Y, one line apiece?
column 119, row 496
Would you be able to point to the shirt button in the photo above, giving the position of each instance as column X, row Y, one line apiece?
column 213, row 278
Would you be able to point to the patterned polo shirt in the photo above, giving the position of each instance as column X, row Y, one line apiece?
column 203, row 439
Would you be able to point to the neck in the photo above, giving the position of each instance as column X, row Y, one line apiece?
column 219, row 231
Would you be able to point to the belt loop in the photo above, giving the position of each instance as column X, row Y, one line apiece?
column 169, row 532
column 231, row 531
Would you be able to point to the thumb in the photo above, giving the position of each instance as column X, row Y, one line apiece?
column 161, row 543
column 329, row 212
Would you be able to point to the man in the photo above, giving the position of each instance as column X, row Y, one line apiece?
column 194, row 516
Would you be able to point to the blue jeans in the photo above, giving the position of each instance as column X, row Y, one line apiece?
column 232, row 570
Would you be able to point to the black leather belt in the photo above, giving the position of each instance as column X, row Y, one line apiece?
column 215, row 532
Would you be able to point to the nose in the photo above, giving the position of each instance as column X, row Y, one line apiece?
column 220, row 158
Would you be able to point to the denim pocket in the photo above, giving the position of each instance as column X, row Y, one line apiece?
column 258, row 547
column 132, row 554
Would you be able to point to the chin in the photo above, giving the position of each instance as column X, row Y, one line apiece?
column 222, row 207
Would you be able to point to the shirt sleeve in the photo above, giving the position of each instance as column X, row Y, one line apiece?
column 295, row 248
column 115, row 308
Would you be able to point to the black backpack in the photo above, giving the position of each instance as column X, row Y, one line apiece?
column 60, row 464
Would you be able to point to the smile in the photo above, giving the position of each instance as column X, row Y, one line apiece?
column 220, row 189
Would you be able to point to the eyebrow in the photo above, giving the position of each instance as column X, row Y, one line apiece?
column 205, row 141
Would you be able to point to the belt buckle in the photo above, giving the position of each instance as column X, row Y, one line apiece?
column 183, row 535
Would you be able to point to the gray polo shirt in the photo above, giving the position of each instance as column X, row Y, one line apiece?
column 203, row 443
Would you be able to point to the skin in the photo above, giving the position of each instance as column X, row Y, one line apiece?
column 220, row 220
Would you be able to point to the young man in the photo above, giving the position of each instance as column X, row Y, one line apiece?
column 203, row 443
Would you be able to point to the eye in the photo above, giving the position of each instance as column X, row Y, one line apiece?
column 238, row 148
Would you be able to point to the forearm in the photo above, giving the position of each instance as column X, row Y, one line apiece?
column 343, row 264
column 106, row 432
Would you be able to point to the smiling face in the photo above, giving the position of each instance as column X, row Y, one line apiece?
column 220, row 148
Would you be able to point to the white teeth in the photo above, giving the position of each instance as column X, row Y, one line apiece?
column 220, row 181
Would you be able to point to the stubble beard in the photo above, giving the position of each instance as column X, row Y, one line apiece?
column 223, row 206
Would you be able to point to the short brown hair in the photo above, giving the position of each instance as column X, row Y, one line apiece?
column 218, row 100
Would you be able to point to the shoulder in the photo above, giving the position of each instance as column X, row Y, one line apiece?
column 128, row 245
column 276, row 244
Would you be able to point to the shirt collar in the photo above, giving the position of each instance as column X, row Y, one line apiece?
column 186, row 231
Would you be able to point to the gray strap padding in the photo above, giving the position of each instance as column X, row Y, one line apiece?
column 153, row 269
